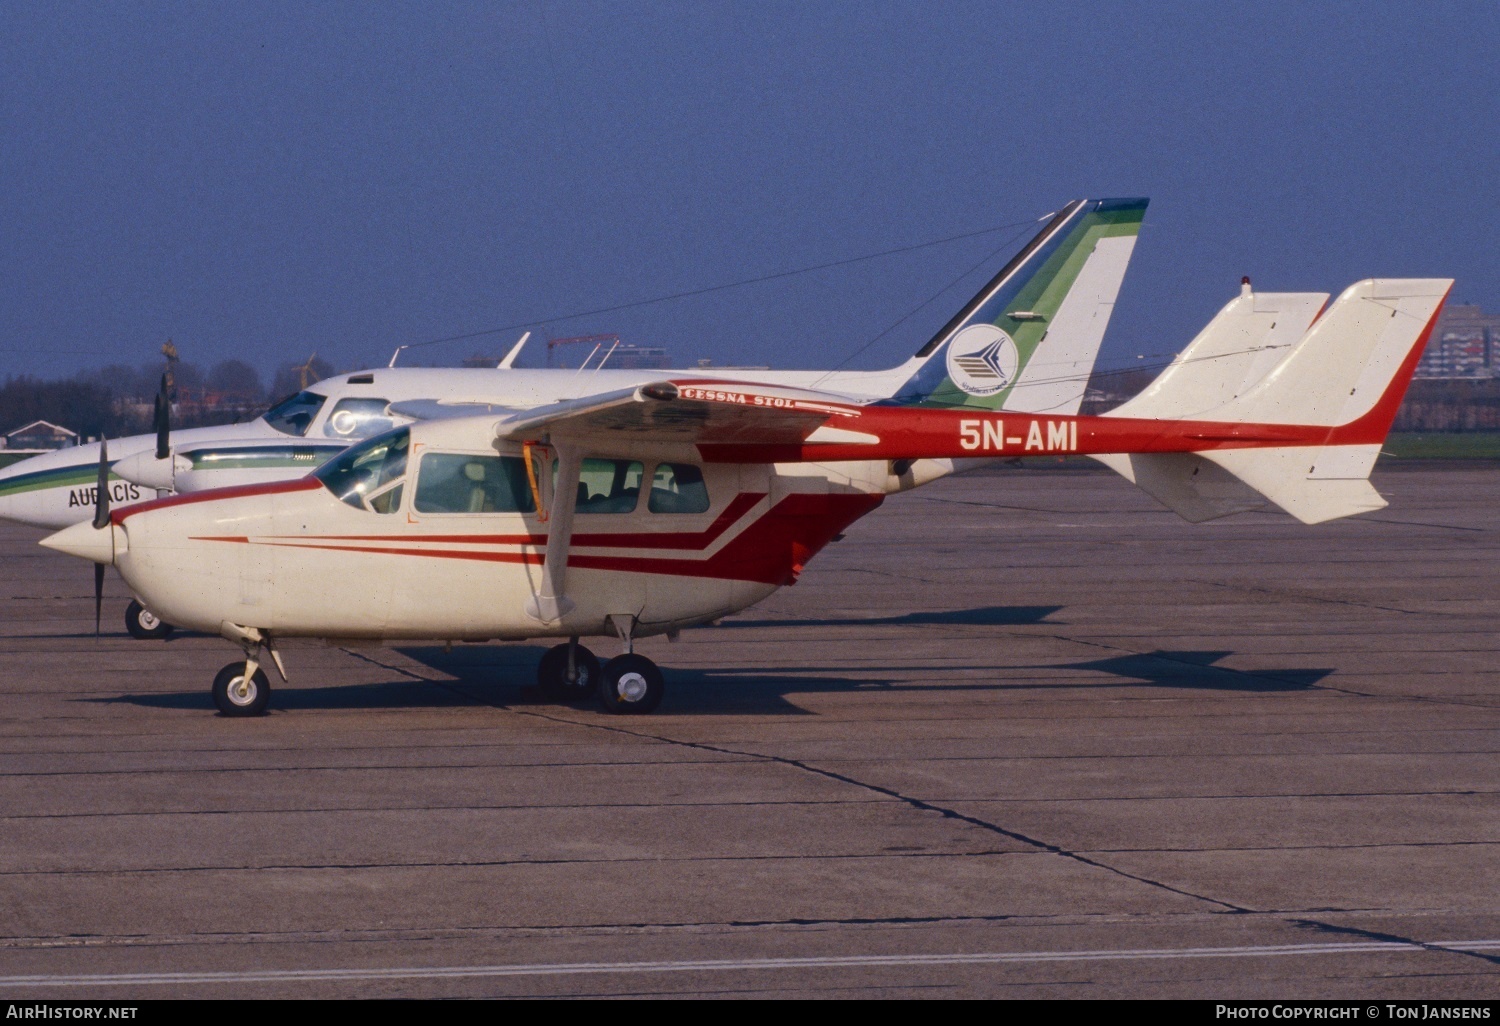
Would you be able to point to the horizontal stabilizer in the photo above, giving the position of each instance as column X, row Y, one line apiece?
column 1186, row 483
column 1313, row 483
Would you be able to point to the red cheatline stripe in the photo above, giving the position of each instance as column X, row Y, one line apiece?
column 699, row 541
column 765, row 551
column 301, row 484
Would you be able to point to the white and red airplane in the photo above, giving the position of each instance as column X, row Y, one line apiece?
column 1072, row 270
column 660, row 505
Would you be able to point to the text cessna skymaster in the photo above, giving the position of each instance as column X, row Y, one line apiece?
column 668, row 503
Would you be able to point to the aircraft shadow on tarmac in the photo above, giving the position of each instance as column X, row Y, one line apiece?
column 504, row 675
column 982, row 616
column 1196, row 670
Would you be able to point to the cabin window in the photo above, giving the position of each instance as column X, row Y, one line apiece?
column 609, row 486
column 294, row 415
column 678, row 488
column 369, row 475
column 358, row 418
column 464, row 483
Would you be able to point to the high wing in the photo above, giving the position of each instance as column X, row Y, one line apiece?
column 697, row 411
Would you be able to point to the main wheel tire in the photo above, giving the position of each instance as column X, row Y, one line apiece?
column 236, row 697
column 552, row 674
column 631, row 685
column 143, row 624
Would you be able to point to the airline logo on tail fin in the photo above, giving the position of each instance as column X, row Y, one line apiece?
column 1028, row 340
column 982, row 359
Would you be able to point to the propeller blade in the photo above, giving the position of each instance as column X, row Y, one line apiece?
column 101, row 493
column 161, row 419
column 98, row 594
column 101, row 521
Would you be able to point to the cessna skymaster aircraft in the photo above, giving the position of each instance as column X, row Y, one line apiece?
column 487, row 522
column 1069, row 274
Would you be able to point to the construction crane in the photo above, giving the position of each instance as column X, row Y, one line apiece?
column 598, row 340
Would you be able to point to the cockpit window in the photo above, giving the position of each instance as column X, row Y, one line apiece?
column 464, row 483
column 369, row 475
column 358, row 418
column 294, row 415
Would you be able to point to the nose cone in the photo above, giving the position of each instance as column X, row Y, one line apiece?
column 86, row 541
column 146, row 470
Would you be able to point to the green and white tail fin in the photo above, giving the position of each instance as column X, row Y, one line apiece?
column 1028, row 340
column 1344, row 380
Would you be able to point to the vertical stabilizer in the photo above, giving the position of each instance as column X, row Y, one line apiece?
column 1246, row 339
column 1029, row 339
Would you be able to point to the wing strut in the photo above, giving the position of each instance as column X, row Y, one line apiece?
column 550, row 604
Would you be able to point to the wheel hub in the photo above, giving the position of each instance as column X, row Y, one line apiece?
column 632, row 687
column 242, row 691
column 149, row 620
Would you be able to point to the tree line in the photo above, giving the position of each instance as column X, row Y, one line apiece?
column 118, row 399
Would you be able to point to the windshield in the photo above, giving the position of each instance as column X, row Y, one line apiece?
column 293, row 416
column 369, row 475
column 358, row 418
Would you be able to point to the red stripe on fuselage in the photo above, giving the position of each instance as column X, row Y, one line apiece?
column 772, row 550
column 301, row 484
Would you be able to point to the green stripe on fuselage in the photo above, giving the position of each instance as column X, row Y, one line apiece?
column 57, row 477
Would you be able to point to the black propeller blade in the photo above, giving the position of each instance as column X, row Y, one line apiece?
column 101, row 522
column 161, row 418
column 98, row 594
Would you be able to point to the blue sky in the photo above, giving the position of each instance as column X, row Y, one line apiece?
column 262, row 180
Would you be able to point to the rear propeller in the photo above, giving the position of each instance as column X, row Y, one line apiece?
column 101, row 522
column 161, row 416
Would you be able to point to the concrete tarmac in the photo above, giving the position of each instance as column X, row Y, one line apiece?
column 1021, row 733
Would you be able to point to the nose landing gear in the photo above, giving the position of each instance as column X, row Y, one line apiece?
column 237, row 693
column 143, row 624
column 242, row 688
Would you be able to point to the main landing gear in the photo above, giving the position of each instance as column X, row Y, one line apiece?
column 143, row 624
column 568, row 673
column 628, row 684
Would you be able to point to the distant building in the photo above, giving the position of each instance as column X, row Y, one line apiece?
column 629, row 357
column 1465, row 344
column 40, row 434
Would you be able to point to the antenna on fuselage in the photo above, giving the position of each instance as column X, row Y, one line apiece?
column 510, row 357
column 396, row 354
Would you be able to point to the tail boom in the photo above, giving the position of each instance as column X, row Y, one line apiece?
column 1352, row 364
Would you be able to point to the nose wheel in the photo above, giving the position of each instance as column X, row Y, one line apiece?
column 143, row 624
column 631, row 685
column 239, row 694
